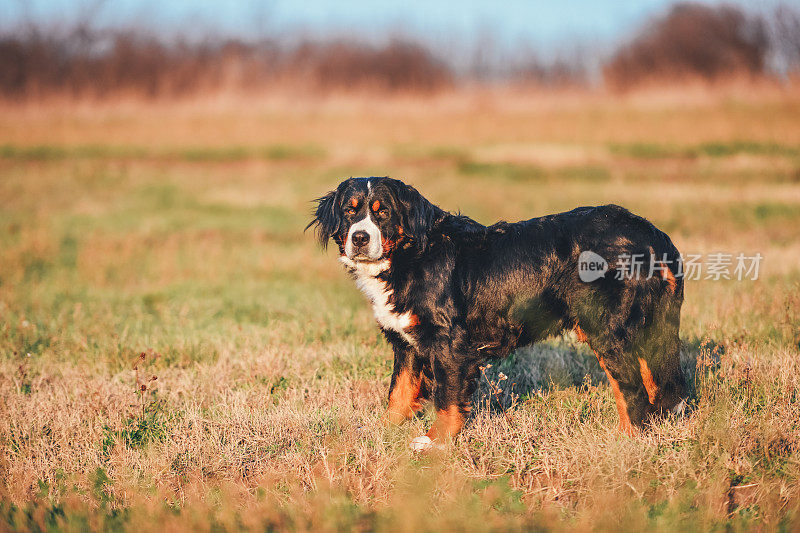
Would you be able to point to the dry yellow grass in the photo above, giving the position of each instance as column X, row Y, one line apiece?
column 368, row 124
column 175, row 230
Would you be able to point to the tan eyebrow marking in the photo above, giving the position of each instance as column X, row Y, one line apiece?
column 376, row 205
column 354, row 202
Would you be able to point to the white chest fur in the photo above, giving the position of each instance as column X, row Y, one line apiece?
column 376, row 291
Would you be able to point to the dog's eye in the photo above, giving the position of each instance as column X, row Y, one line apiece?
column 384, row 212
column 349, row 211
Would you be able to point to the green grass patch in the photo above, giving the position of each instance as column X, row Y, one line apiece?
column 644, row 150
column 278, row 152
column 719, row 149
column 647, row 150
column 507, row 171
column 523, row 173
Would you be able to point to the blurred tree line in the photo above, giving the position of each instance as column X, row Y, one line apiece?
column 691, row 41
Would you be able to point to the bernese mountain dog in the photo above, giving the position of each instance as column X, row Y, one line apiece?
column 450, row 293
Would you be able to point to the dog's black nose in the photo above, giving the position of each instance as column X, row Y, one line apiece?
column 360, row 238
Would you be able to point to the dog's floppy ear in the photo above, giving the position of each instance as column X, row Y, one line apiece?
column 327, row 217
column 417, row 213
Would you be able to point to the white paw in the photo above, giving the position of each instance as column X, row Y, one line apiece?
column 420, row 444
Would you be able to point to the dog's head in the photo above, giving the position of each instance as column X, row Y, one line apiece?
column 369, row 218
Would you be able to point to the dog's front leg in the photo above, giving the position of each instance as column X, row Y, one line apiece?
column 404, row 391
column 451, row 396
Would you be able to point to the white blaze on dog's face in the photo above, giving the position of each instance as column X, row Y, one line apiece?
column 364, row 240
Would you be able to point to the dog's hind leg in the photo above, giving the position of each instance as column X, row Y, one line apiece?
column 664, row 381
column 633, row 395
column 630, row 394
column 636, row 341
column 657, row 349
column 644, row 382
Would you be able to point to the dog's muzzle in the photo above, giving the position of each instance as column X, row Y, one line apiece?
column 364, row 241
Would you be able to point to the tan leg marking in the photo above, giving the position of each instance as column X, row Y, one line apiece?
column 580, row 334
column 649, row 382
column 448, row 423
column 625, row 425
column 404, row 398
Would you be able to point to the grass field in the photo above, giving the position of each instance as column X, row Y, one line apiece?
column 176, row 353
